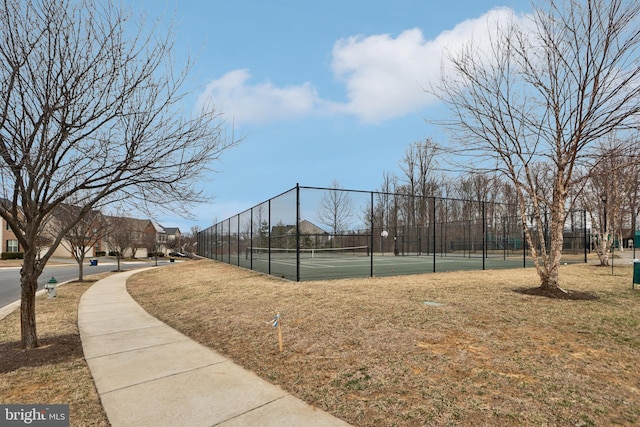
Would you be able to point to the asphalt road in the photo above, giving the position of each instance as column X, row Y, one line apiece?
column 10, row 276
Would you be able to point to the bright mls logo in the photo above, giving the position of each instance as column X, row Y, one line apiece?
column 34, row 415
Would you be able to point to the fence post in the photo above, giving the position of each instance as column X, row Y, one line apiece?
column 229, row 241
column 371, row 239
column 433, row 213
column 297, row 232
column 505, row 239
column 584, row 231
column 484, row 235
column 524, row 247
column 269, row 238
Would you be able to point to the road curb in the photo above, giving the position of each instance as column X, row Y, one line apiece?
column 10, row 308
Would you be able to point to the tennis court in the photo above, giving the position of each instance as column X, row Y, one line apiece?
column 295, row 236
column 359, row 262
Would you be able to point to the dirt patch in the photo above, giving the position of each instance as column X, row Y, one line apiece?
column 53, row 350
column 557, row 293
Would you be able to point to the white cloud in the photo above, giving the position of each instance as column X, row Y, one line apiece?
column 384, row 77
column 245, row 103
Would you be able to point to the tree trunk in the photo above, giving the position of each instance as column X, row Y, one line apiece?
column 551, row 278
column 603, row 253
column 29, row 284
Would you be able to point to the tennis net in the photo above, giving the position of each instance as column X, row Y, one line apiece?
column 305, row 253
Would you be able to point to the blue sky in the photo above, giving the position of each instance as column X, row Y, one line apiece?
column 320, row 91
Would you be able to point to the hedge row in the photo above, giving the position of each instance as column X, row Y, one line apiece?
column 12, row 255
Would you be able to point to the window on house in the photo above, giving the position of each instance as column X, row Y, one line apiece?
column 12, row 245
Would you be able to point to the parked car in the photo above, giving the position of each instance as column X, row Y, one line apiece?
column 177, row 254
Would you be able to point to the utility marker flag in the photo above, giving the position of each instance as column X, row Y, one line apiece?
column 276, row 324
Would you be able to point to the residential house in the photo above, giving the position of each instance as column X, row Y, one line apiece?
column 174, row 239
column 8, row 238
column 99, row 233
column 131, row 237
column 138, row 238
column 311, row 236
column 85, row 236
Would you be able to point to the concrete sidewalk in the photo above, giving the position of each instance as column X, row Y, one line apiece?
column 148, row 374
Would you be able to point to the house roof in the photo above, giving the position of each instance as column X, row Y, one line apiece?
column 158, row 227
column 306, row 227
column 172, row 230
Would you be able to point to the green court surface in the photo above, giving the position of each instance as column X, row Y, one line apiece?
column 365, row 266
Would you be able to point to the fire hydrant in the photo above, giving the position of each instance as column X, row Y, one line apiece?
column 50, row 286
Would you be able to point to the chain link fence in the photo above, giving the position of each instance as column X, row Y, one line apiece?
column 311, row 233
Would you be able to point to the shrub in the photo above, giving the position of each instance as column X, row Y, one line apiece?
column 12, row 255
column 101, row 253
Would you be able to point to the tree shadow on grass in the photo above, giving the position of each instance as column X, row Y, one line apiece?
column 52, row 350
column 558, row 294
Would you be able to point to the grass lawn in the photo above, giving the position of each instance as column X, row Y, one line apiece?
column 459, row 348
column 55, row 372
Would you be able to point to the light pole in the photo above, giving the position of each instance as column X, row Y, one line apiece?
column 383, row 236
column 635, row 233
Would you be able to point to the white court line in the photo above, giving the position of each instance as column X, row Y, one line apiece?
column 325, row 263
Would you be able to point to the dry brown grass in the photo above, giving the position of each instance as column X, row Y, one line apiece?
column 374, row 353
column 56, row 372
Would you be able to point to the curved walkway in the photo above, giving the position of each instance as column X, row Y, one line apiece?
column 148, row 374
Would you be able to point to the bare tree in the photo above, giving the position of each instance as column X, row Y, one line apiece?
column 150, row 243
column 81, row 236
column 190, row 240
column 610, row 194
column 89, row 115
column 419, row 166
column 535, row 103
column 122, row 235
column 335, row 209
